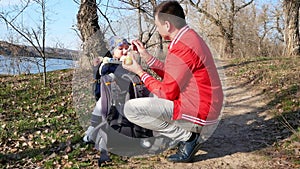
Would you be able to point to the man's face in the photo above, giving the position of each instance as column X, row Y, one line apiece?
column 162, row 28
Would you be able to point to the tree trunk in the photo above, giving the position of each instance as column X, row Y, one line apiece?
column 44, row 43
column 228, row 46
column 292, row 38
column 44, row 71
column 91, row 35
column 140, row 21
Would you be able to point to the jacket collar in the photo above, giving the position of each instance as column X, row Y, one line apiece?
column 177, row 37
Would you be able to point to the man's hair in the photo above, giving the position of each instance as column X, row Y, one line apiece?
column 170, row 11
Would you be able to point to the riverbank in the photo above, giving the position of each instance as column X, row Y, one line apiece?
column 14, row 50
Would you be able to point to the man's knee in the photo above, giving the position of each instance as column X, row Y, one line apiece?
column 129, row 110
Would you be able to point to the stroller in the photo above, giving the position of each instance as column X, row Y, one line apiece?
column 115, row 133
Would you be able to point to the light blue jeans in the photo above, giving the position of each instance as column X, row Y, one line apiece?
column 156, row 114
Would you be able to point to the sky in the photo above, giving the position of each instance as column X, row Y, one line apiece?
column 62, row 15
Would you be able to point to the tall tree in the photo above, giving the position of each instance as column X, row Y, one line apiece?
column 91, row 34
column 292, row 38
column 224, row 18
column 145, row 25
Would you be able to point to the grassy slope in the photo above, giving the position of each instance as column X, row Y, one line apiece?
column 279, row 80
column 40, row 128
column 38, row 124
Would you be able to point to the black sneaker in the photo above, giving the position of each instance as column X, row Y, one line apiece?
column 186, row 151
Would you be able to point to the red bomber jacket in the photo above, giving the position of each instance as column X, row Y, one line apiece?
column 189, row 78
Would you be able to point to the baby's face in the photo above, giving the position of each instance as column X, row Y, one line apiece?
column 121, row 51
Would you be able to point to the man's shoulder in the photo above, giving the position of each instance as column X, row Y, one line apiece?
column 190, row 39
column 191, row 35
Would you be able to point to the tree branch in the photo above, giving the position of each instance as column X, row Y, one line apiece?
column 18, row 31
column 243, row 6
column 210, row 17
column 107, row 20
column 21, row 11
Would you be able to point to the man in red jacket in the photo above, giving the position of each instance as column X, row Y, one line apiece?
column 190, row 94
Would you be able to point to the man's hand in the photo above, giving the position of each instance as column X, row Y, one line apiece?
column 134, row 67
column 141, row 49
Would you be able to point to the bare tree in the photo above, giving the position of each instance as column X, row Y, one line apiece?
column 145, row 21
column 224, row 18
column 278, row 23
column 120, row 12
column 238, row 25
column 292, row 38
column 270, row 30
column 35, row 37
column 246, row 34
column 91, row 34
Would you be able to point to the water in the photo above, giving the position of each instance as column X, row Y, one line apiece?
column 31, row 65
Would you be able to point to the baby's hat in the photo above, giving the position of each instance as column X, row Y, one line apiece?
column 116, row 41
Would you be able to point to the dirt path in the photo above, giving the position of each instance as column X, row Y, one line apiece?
column 243, row 130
